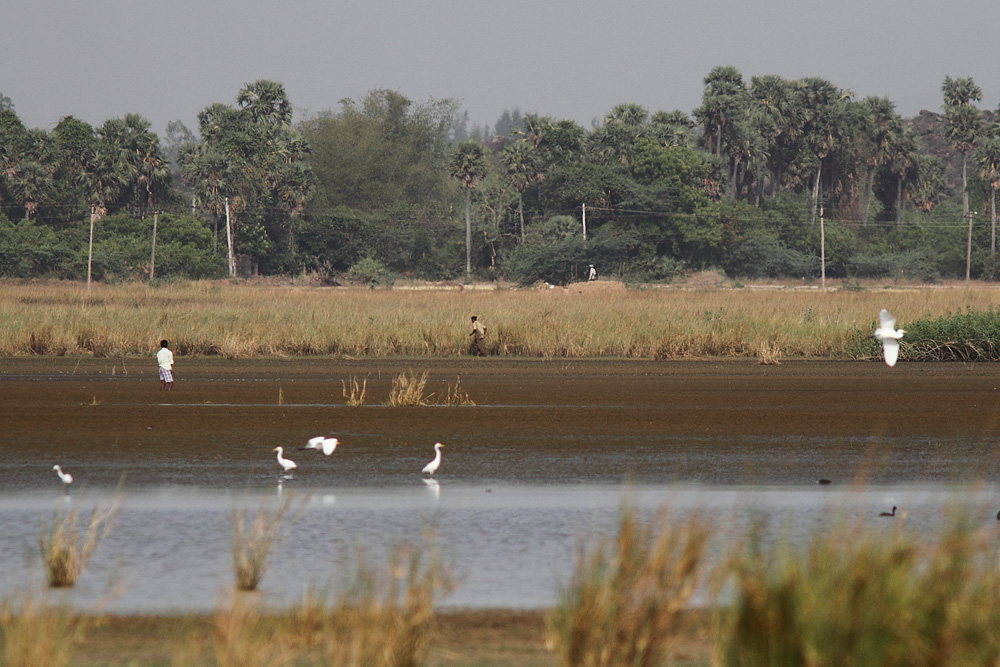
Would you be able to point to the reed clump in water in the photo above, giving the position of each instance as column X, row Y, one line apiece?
column 408, row 390
column 857, row 597
column 252, row 542
column 355, row 397
column 34, row 634
column 624, row 602
column 65, row 552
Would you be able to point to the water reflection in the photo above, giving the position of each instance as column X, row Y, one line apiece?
column 512, row 545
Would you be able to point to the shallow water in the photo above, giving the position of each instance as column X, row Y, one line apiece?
column 543, row 464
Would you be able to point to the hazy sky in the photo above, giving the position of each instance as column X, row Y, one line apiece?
column 168, row 60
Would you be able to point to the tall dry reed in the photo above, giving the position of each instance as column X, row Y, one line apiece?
column 236, row 321
column 623, row 606
column 65, row 552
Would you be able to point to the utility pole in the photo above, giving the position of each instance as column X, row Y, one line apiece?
column 584, row 222
column 229, row 241
column 968, row 251
column 152, row 259
column 90, row 249
column 822, row 251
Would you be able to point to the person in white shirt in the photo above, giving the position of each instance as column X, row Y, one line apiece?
column 165, row 358
column 593, row 274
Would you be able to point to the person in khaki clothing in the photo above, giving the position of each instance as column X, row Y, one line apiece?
column 478, row 338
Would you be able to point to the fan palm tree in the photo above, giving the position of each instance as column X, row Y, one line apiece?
column 963, row 126
column 520, row 162
column 988, row 157
column 468, row 166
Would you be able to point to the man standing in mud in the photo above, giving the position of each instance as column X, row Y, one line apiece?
column 165, row 360
column 478, row 338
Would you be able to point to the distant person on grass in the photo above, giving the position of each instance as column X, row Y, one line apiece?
column 478, row 338
column 165, row 359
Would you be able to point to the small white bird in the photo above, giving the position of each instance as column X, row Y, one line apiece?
column 328, row 445
column 432, row 467
column 889, row 335
column 287, row 464
column 64, row 476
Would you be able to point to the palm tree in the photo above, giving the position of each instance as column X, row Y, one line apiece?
column 881, row 126
column 988, row 157
column 520, row 162
column 468, row 165
column 963, row 126
column 904, row 150
column 721, row 99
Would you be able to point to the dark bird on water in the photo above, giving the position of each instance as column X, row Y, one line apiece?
column 892, row 513
column 823, row 481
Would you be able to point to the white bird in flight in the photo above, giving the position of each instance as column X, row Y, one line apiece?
column 287, row 464
column 432, row 467
column 328, row 445
column 889, row 335
column 64, row 476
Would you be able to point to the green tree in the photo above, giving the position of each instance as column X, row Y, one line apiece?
column 468, row 166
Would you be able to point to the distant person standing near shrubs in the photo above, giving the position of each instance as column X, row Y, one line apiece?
column 165, row 359
column 593, row 274
column 478, row 338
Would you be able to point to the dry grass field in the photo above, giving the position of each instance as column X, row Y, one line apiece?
column 705, row 317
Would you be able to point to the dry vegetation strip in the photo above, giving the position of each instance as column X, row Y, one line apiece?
column 233, row 321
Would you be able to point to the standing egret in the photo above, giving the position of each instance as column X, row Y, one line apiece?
column 66, row 478
column 328, row 445
column 287, row 464
column 432, row 467
column 889, row 335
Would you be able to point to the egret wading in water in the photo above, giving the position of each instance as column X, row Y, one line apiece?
column 435, row 463
column 328, row 445
column 287, row 464
column 66, row 478
column 889, row 335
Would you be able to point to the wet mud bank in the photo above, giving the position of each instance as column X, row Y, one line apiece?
column 719, row 422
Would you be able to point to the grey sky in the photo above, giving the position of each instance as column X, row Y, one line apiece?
column 570, row 59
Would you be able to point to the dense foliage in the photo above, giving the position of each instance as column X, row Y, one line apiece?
column 761, row 180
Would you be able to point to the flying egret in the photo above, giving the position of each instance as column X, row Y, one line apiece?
column 64, row 476
column 287, row 464
column 328, row 445
column 432, row 467
column 892, row 513
column 889, row 335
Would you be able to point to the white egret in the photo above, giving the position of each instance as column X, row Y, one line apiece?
column 328, row 445
column 889, row 335
column 64, row 476
column 432, row 467
column 287, row 464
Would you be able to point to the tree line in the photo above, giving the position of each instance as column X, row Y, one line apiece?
column 383, row 186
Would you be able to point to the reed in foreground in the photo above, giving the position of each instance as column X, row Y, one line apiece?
column 34, row 634
column 65, row 552
column 383, row 618
column 625, row 600
column 252, row 542
column 857, row 597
